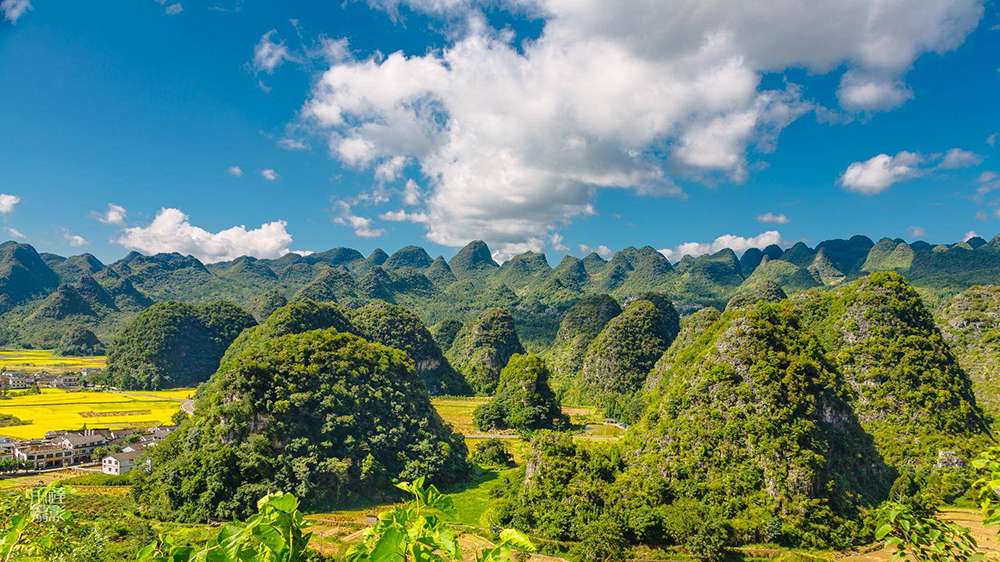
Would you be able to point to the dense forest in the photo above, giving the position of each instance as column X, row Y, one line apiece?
column 43, row 295
column 777, row 398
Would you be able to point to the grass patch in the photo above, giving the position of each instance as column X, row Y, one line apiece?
column 474, row 498
column 457, row 411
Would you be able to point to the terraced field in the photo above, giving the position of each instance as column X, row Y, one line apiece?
column 32, row 360
column 60, row 409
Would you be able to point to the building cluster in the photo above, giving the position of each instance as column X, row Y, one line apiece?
column 117, row 449
column 19, row 380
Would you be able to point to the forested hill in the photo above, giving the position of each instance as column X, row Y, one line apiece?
column 43, row 296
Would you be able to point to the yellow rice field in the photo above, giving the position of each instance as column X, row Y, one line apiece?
column 31, row 360
column 60, row 409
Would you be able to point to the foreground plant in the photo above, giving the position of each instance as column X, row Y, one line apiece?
column 987, row 487
column 418, row 531
column 275, row 534
column 918, row 535
column 44, row 507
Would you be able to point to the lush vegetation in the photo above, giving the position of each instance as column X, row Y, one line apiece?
column 395, row 326
column 323, row 414
column 908, row 389
column 825, row 388
column 481, row 349
column 578, row 328
column 492, row 452
column 276, row 533
column 173, row 344
column 523, row 401
column 46, row 295
column 80, row 342
column 418, row 531
column 620, row 357
column 767, row 291
column 970, row 323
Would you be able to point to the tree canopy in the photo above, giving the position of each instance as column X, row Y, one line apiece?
column 323, row 414
column 481, row 349
column 523, row 401
column 172, row 344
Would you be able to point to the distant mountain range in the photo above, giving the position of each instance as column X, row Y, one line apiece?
column 43, row 295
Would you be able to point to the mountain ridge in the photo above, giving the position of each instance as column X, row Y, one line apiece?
column 440, row 289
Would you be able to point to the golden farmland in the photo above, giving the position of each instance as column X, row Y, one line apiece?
column 60, row 409
column 33, row 360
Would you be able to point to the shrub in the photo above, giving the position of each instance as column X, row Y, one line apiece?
column 493, row 452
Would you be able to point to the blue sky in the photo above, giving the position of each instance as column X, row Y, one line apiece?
column 532, row 124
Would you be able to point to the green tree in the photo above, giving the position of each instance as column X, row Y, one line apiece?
column 79, row 341
column 172, row 344
column 523, row 401
column 483, row 347
column 395, row 326
column 327, row 416
column 619, row 359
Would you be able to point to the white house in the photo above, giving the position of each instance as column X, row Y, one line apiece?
column 43, row 455
column 119, row 463
column 82, row 444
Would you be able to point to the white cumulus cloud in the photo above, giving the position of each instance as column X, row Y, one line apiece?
column 269, row 174
column 872, row 93
column 602, row 250
column 402, row 215
column 390, row 170
column 15, row 233
column 738, row 244
column 876, row 174
column 958, row 158
column 75, row 240
column 171, row 231
column 363, row 227
column 115, row 214
column 269, row 55
column 14, row 9
column 512, row 137
column 556, row 241
column 8, row 202
column 916, row 231
column 969, row 235
column 411, row 193
column 173, row 9
column 235, row 171
column 289, row 143
column 772, row 218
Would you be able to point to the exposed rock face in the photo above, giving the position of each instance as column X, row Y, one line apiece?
column 907, row 387
column 751, row 416
column 970, row 323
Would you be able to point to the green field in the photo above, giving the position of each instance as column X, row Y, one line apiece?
column 33, row 360
column 61, row 409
